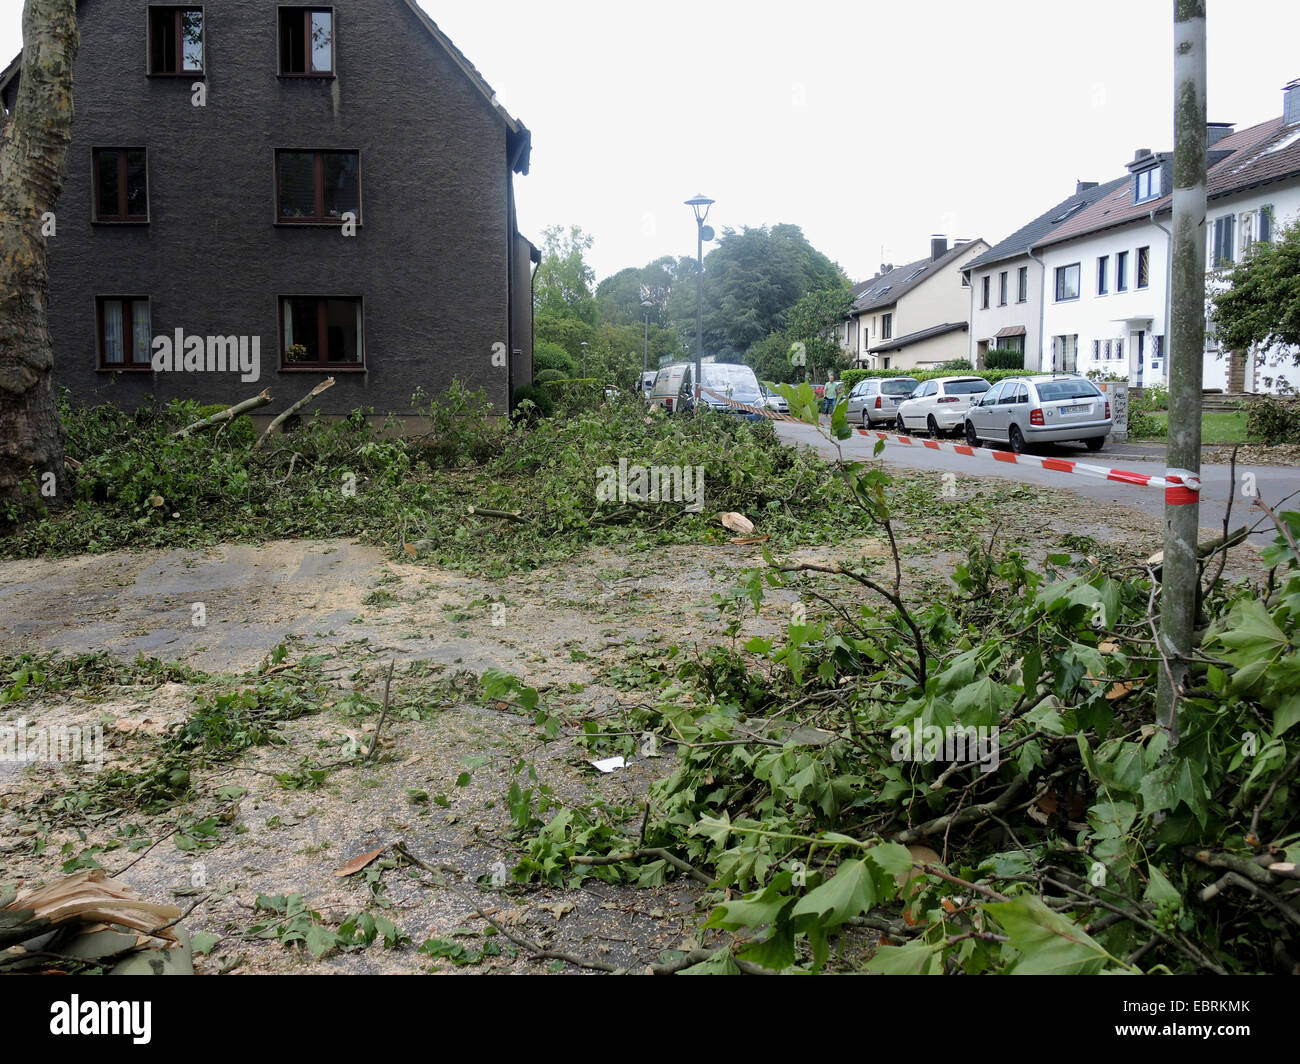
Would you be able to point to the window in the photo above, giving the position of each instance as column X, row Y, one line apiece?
column 1119, row 349
column 317, row 187
column 176, row 40
column 1121, row 272
column 1096, row 351
column 1256, row 228
column 306, row 41
column 886, row 326
column 121, row 185
column 1103, row 275
column 1002, row 289
column 320, row 333
column 992, row 396
column 1144, row 267
column 886, row 363
column 1147, row 185
column 984, row 293
column 1067, row 283
column 124, row 332
column 1222, row 249
column 1012, row 343
column 1022, row 290
column 1065, row 353
column 1013, row 394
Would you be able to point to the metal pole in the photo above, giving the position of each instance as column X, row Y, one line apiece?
column 1180, row 590
column 699, row 310
column 645, row 353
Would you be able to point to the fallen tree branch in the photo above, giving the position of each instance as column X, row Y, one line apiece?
column 653, row 851
column 328, row 382
column 374, row 743
column 228, row 414
column 505, row 515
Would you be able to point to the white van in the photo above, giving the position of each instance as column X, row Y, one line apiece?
column 667, row 387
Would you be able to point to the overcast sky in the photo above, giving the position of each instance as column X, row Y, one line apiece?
column 869, row 124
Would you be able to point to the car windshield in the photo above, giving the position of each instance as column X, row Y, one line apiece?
column 1053, row 391
column 901, row 386
column 724, row 375
column 965, row 387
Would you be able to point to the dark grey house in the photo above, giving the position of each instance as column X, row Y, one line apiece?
column 262, row 195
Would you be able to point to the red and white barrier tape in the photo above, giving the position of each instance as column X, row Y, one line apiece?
column 1181, row 486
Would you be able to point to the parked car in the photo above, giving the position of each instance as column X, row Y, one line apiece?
column 774, row 400
column 940, row 405
column 874, row 400
column 1023, row 411
column 722, row 381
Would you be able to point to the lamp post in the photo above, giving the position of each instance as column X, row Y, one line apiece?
column 645, row 353
column 584, row 359
column 700, row 205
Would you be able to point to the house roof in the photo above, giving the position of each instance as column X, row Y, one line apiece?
column 520, row 143
column 890, row 287
column 1269, row 151
column 917, row 337
column 1024, row 238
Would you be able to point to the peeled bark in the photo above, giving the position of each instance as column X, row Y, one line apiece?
column 33, row 151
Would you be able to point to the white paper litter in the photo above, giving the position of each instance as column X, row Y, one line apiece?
column 609, row 764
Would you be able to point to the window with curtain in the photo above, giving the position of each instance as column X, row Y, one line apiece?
column 125, row 332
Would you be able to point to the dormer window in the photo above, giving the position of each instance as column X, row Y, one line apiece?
column 1146, row 185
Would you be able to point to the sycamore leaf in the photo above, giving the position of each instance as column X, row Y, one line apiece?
column 1049, row 943
column 850, row 892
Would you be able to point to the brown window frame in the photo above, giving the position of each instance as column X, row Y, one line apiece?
column 122, row 218
column 887, row 326
column 1022, row 285
column 318, row 180
column 322, row 329
column 128, row 338
column 306, row 11
column 176, row 11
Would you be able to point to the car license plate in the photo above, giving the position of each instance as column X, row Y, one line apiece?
column 1079, row 410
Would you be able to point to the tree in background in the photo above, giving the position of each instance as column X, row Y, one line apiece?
column 808, row 341
column 619, row 297
column 33, row 149
column 1261, row 308
column 752, row 279
column 564, row 281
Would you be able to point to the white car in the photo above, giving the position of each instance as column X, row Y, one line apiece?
column 773, row 400
column 939, row 406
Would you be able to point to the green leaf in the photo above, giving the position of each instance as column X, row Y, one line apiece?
column 1286, row 714
column 203, row 942
column 914, row 958
column 850, row 892
column 1049, row 943
column 320, row 940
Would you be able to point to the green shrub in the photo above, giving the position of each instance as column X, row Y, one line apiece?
column 543, row 404
column 1273, row 419
column 996, row 359
column 850, row 377
column 547, row 375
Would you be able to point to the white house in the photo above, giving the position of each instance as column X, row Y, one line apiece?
column 914, row 316
column 1006, row 285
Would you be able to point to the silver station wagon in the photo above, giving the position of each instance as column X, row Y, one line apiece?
column 1023, row 411
column 874, row 400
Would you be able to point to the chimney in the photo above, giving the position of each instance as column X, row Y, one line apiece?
column 1216, row 131
column 1082, row 186
column 1291, row 103
column 884, row 269
column 938, row 247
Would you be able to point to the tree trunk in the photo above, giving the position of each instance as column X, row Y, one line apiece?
column 32, row 155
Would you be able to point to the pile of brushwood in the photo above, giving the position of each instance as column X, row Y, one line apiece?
column 977, row 779
column 157, row 477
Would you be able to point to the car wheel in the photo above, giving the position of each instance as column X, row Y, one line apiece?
column 901, row 425
column 1095, row 444
column 932, row 427
column 971, row 439
column 1016, row 440
column 866, row 419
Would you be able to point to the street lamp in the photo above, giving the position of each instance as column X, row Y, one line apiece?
column 584, row 359
column 700, row 205
column 645, row 354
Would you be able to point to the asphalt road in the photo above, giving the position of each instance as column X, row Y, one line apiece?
column 1273, row 483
